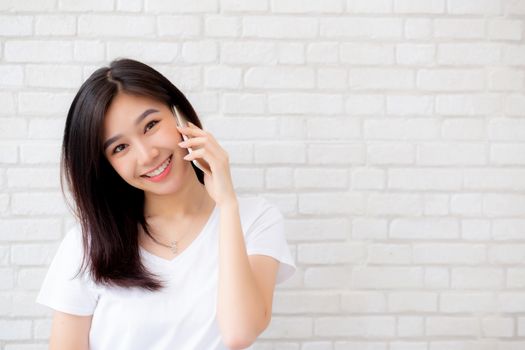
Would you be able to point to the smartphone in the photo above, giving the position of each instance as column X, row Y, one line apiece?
column 200, row 163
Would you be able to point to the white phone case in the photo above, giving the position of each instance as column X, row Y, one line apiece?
column 181, row 121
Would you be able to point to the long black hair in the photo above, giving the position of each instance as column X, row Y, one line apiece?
column 107, row 208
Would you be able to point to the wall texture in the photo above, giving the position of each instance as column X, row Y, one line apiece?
column 391, row 133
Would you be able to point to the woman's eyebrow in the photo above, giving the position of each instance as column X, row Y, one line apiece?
column 137, row 121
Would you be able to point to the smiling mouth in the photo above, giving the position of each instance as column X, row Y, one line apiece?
column 160, row 169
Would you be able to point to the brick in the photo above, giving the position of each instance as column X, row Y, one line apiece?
column 474, row 7
column 401, row 129
column 390, row 153
column 467, row 302
column 369, row 6
column 28, row 6
column 317, row 229
column 306, row 301
column 387, row 277
column 248, row 179
column 43, row 103
column 38, row 51
column 506, row 129
column 359, row 104
column 246, row 129
column 151, row 52
column 55, row 25
column 33, row 178
column 326, row 277
column 73, row 5
column 381, row 79
column 415, row 6
column 368, row 228
column 466, row 204
column 367, row 54
column 299, row 103
column 513, row 55
column 497, row 327
column 363, row 302
column 331, row 78
column 416, row 54
column 408, row 326
column 35, row 203
column 475, row 229
column 464, row 129
column 129, row 5
column 452, row 154
column 508, row 229
column 8, row 152
column 31, row 278
column 204, row 51
column 367, row 179
column 45, row 128
column 13, row 128
column 505, row 29
column 323, row 52
column 186, row 6
column 459, row 28
column 26, row 229
column 222, row 77
column 16, row 26
column 361, row 28
column 243, row 103
column 7, row 282
column 505, row 79
column 418, row 28
column 514, row 105
column 330, row 203
column 409, row 105
column 451, row 80
column 40, row 153
column 320, row 178
column 412, row 302
column 220, row 26
column 452, row 326
column 12, row 75
column 461, row 105
column 178, row 26
column 389, row 254
column 423, row 228
column 60, row 76
column 248, row 52
column 279, row 78
column 333, row 129
column 468, row 54
column 330, row 253
column 15, row 329
column 511, row 302
column 393, row 204
column 436, row 204
column 515, row 278
column 507, row 254
column 477, row 278
column 448, row 253
column 291, row 53
column 494, row 179
column 368, row 326
column 244, row 6
column 309, row 6
column 88, row 51
column 437, row 277
column 280, row 153
column 279, row 27
column 504, row 205
column 32, row 254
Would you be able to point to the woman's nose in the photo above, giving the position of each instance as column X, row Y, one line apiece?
column 146, row 154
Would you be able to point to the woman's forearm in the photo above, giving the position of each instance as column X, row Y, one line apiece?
column 241, row 312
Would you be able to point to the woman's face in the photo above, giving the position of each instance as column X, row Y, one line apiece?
column 140, row 138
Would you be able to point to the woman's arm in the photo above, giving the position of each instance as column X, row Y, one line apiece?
column 69, row 331
column 246, row 284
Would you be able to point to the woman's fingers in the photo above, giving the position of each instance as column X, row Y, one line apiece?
column 196, row 141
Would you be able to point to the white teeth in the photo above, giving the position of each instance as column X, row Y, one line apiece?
column 159, row 169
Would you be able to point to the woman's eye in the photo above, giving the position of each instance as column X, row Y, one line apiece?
column 152, row 123
column 115, row 150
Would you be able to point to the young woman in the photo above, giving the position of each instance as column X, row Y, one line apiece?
column 164, row 255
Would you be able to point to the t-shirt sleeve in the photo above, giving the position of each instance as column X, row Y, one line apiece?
column 63, row 289
column 266, row 236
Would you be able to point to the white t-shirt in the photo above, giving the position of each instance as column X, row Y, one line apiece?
column 181, row 316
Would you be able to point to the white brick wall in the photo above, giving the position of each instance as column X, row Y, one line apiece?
column 391, row 134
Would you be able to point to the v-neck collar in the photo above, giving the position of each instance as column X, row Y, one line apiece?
column 187, row 251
